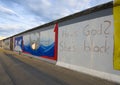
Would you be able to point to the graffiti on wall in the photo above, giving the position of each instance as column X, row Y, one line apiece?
column 103, row 30
column 39, row 44
column 18, row 43
column 87, row 43
column 89, row 35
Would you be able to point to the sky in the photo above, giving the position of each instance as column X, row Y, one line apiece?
column 19, row 15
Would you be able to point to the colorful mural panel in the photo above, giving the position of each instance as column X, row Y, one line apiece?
column 18, row 44
column 39, row 44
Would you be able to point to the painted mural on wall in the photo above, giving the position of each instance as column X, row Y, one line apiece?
column 6, row 44
column 18, row 43
column 39, row 44
column 47, row 43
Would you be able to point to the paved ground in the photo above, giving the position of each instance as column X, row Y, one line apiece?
column 22, row 70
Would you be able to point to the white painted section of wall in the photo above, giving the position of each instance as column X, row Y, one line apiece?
column 26, row 39
column 47, row 37
column 88, row 47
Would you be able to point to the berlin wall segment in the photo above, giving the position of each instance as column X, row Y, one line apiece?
column 82, row 44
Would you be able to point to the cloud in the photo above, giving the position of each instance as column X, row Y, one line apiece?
column 49, row 10
column 6, row 10
column 12, row 28
column 1, row 37
column 8, row 29
column 27, row 14
column 9, row 26
column 97, row 2
column 66, row 8
column 54, row 9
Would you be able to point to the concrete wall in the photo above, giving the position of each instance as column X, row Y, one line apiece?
column 85, row 44
column 11, row 44
column 1, row 43
column 6, row 44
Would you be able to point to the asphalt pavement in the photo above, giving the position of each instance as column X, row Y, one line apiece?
column 23, row 70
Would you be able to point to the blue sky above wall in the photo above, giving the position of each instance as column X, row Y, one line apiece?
column 20, row 15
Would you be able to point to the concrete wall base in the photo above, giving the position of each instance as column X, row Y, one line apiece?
column 103, row 75
column 43, row 59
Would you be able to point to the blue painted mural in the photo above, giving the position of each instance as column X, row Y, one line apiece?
column 41, row 51
column 39, row 44
column 18, row 43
